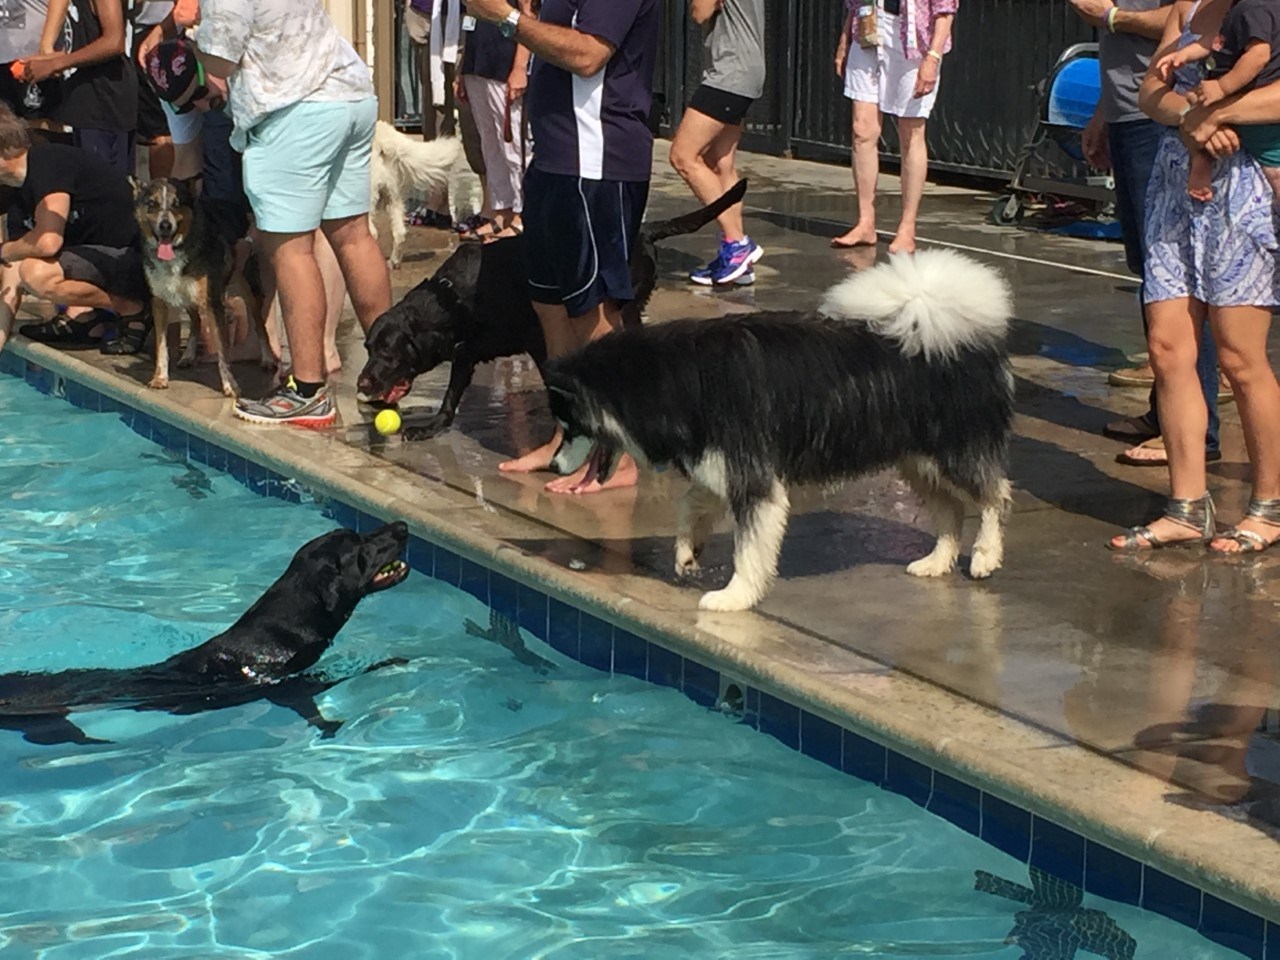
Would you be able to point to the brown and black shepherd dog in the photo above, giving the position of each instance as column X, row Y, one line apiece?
column 189, row 252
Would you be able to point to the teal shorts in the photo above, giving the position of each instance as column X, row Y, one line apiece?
column 1261, row 141
column 309, row 162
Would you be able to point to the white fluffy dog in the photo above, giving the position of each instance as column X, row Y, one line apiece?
column 406, row 167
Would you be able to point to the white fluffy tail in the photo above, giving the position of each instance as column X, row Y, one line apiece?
column 934, row 302
column 424, row 166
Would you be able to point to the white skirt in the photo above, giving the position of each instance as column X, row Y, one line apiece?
column 883, row 75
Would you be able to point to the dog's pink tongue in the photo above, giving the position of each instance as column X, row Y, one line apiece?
column 164, row 251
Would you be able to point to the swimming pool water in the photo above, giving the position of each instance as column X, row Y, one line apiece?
column 469, row 808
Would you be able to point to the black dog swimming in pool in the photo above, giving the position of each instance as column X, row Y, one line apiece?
column 262, row 657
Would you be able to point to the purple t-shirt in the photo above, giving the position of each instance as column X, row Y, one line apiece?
column 597, row 127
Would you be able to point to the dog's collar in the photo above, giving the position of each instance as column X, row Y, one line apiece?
column 447, row 294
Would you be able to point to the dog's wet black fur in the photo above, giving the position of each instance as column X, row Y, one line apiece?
column 476, row 308
column 265, row 655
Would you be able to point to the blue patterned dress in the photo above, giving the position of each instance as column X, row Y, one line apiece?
column 1222, row 252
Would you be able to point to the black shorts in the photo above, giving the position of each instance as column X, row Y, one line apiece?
column 719, row 105
column 116, row 270
column 579, row 235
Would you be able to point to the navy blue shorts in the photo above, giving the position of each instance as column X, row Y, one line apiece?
column 579, row 235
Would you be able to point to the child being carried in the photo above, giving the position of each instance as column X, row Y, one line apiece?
column 1245, row 55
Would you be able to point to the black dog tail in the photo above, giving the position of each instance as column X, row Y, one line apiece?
column 693, row 222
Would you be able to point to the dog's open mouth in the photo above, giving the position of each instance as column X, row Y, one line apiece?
column 397, row 392
column 389, row 575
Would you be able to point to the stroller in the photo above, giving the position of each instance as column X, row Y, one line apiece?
column 1068, row 97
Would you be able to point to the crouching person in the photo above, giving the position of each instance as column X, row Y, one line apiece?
column 71, row 238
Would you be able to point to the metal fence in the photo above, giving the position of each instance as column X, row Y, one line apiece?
column 987, row 101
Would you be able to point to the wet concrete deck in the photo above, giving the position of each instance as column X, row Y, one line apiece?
column 1128, row 697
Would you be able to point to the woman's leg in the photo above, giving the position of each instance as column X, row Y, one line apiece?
column 915, row 168
column 866, row 170
column 1241, row 335
column 1173, row 338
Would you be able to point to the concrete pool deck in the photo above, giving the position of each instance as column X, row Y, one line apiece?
column 1128, row 698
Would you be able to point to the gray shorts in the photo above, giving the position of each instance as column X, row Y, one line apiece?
column 116, row 270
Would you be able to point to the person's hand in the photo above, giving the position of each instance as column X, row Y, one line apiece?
column 495, row 11
column 459, row 89
column 41, row 67
column 517, row 83
column 153, row 39
column 926, row 78
column 1222, row 143
column 1093, row 12
column 1200, row 124
column 1095, row 145
column 1207, row 94
column 842, row 55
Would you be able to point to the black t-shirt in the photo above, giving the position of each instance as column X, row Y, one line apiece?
column 1246, row 22
column 101, row 199
column 487, row 53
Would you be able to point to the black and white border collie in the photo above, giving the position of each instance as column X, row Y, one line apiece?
column 903, row 365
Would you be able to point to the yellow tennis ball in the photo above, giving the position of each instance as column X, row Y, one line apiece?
column 387, row 421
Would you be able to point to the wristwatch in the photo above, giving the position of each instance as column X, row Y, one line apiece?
column 509, row 25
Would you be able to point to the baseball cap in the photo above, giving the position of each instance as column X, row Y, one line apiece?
column 171, row 68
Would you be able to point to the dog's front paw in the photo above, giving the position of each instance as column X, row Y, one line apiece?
column 934, row 565
column 984, row 563
column 729, row 599
column 686, row 560
column 158, row 383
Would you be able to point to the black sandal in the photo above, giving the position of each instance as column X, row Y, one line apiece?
column 68, row 333
column 131, row 335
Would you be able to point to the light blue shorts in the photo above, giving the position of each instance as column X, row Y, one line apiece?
column 310, row 162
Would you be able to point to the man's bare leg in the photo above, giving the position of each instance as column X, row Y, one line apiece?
column 10, row 300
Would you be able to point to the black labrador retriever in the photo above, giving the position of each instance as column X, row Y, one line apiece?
column 264, row 656
column 476, row 308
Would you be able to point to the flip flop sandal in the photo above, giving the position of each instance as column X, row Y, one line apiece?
column 1130, row 429
column 68, row 333
column 474, row 228
column 1157, row 443
column 1194, row 514
column 1268, row 511
column 131, row 336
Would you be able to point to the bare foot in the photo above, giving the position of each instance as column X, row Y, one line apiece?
column 537, row 459
column 1165, row 530
column 625, row 474
column 859, row 235
column 903, row 242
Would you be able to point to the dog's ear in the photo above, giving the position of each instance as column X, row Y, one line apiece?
column 191, row 185
column 136, row 186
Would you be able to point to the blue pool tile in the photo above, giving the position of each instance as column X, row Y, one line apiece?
column 820, row 739
column 448, row 566
column 531, row 610
column 421, row 556
column 215, row 456
column 11, row 363
column 956, row 801
column 780, row 720
column 751, row 708
column 666, row 668
column 563, row 627
column 630, row 654
column 1112, row 875
column 78, row 395
column 258, row 478
column 1006, row 827
column 1229, row 925
column 368, row 522
column 1058, row 851
column 1273, row 941
column 502, row 596
column 474, row 579
column 911, row 778
column 169, row 436
column 40, row 378
column 197, row 449
column 701, row 683
column 1171, row 897
column 595, row 642
column 863, row 758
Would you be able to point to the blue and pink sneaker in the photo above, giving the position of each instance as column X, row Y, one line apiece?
column 733, row 264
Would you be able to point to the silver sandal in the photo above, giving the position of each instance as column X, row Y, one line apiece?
column 1268, row 511
column 1197, row 514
